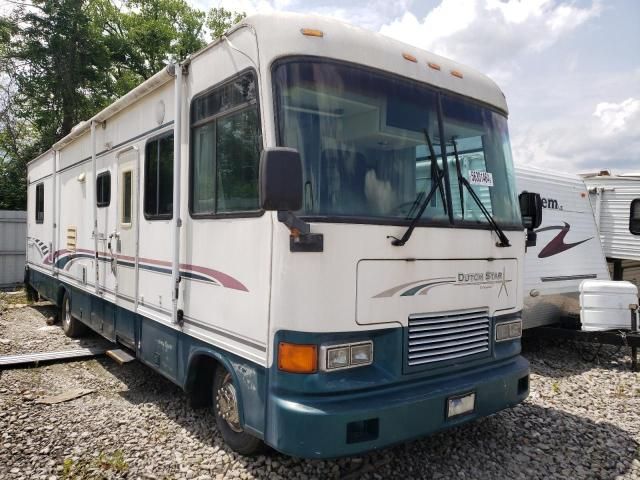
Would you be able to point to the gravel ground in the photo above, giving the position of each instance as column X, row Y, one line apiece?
column 582, row 420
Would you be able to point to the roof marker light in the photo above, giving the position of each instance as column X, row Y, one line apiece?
column 411, row 58
column 311, row 32
column 456, row 73
column 434, row 66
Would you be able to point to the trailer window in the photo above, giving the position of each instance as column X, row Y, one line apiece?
column 125, row 218
column 634, row 217
column 226, row 146
column 103, row 189
column 158, row 179
column 40, row 203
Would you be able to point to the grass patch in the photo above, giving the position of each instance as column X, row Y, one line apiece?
column 18, row 297
column 101, row 467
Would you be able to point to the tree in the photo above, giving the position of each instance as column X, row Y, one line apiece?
column 55, row 74
column 219, row 20
column 60, row 67
column 151, row 33
column 62, row 61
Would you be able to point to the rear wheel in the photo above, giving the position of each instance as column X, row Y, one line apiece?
column 227, row 413
column 72, row 326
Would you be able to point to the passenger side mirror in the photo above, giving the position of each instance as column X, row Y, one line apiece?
column 634, row 217
column 280, row 179
column 531, row 211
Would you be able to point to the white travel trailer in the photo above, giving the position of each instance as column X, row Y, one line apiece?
column 385, row 308
column 568, row 248
column 616, row 205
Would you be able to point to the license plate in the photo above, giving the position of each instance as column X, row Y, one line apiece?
column 461, row 405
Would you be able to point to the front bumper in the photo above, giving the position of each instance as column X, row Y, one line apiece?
column 334, row 425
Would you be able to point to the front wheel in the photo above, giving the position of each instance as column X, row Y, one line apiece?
column 72, row 326
column 227, row 413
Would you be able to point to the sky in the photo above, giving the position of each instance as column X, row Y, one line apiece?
column 570, row 69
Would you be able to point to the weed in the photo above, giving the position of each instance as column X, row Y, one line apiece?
column 100, row 467
column 115, row 462
column 555, row 388
column 67, row 467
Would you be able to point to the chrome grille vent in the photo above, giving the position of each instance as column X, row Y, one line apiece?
column 445, row 336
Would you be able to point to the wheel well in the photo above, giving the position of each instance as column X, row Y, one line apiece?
column 60, row 295
column 199, row 383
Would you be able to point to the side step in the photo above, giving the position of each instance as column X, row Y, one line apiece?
column 9, row 361
column 120, row 356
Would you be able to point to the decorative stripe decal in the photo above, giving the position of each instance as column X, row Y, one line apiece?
column 557, row 245
column 420, row 287
column 65, row 258
column 42, row 248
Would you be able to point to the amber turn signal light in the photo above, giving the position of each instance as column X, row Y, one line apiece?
column 411, row 58
column 312, row 32
column 294, row 358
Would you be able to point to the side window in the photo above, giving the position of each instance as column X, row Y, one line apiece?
column 226, row 144
column 158, row 179
column 125, row 216
column 634, row 217
column 40, row 203
column 103, row 189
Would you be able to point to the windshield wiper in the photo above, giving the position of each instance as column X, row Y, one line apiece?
column 437, row 185
column 504, row 241
column 435, row 168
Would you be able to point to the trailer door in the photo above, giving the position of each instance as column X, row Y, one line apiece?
column 124, row 240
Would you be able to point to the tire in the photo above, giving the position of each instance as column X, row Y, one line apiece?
column 227, row 413
column 71, row 326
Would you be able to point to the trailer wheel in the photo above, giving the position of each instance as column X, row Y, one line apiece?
column 227, row 413
column 72, row 326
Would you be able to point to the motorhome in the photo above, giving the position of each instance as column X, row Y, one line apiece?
column 616, row 204
column 567, row 251
column 312, row 227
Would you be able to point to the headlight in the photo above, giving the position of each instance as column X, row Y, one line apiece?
column 337, row 358
column 349, row 355
column 508, row 330
column 362, row 354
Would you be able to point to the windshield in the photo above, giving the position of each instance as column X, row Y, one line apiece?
column 364, row 140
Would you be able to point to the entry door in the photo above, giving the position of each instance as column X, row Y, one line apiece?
column 106, row 206
column 124, row 239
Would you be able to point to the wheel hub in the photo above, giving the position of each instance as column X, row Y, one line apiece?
column 227, row 404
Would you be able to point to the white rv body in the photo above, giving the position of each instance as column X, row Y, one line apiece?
column 242, row 289
column 568, row 248
column 611, row 197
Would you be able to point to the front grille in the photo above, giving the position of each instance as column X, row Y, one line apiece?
column 446, row 336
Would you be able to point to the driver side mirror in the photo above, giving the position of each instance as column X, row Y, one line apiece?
column 531, row 210
column 280, row 179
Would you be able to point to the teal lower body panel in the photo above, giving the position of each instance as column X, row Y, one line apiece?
column 168, row 351
column 349, row 424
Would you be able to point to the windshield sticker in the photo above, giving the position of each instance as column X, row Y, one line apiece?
column 479, row 177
